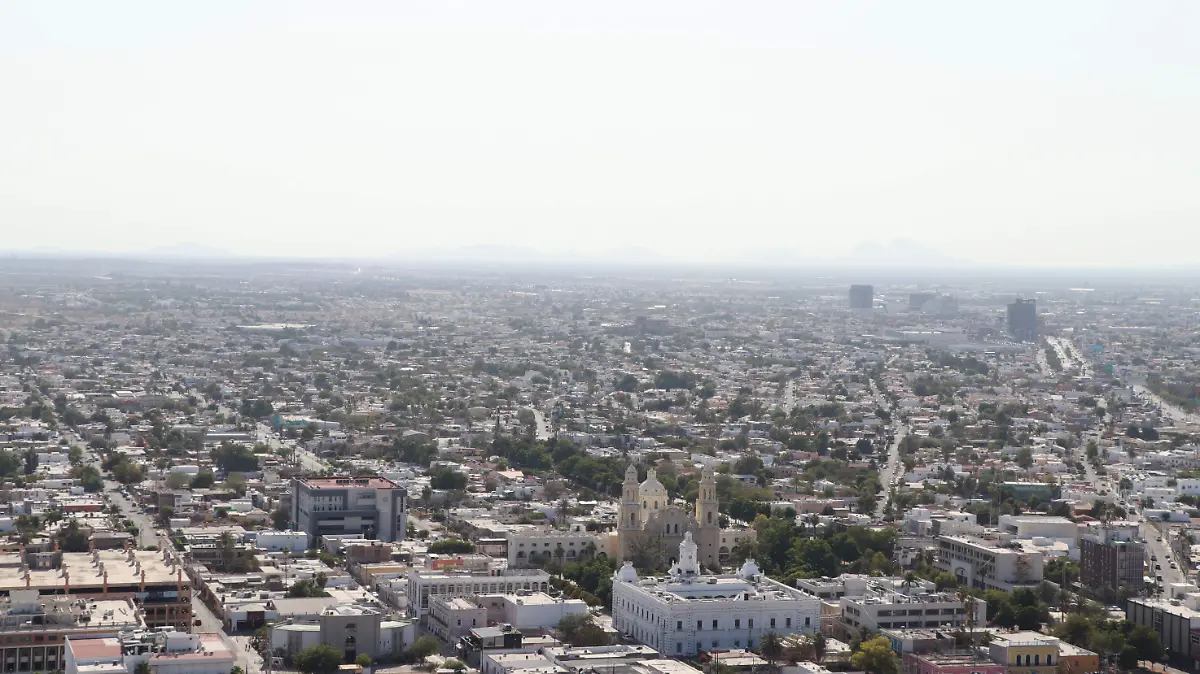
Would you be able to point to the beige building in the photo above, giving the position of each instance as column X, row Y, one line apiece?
column 647, row 518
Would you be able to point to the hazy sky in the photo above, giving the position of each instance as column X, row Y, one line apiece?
column 1020, row 132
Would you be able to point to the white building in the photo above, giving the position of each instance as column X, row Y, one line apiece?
column 278, row 541
column 424, row 584
column 886, row 609
column 530, row 610
column 984, row 565
column 686, row 612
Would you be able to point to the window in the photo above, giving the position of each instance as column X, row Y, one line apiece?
column 772, row 622
column 789, row 622
column 737, row 623
column 751, row 623
column 678, row 647
column 1037, row 659
column 678, row 625
column 699, row 624
column 714, row 624
column 1049, row 659
column 808, row 622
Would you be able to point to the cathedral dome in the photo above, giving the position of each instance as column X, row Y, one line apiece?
column 652, row 485
column 652, row 493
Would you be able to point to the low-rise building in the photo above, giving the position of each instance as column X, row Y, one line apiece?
column 984, row 565
column 425, row 585
column 958, row 662
column 352, row 630
column 686, row 612
column 1024, row 652
column 164, row 652
column 453, row 617
column 887, row 610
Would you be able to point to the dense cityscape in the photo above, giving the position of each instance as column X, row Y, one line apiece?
column 284, row 466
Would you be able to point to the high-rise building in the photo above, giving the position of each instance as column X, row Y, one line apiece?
column 375, row 507
column 1022, row 320
column 918, row 300
column 1110, row 564
column 862, row 296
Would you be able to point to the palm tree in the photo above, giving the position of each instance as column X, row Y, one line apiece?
column 818, row 646
column 590, row 549
column 910, row 579
column 771, row 649
column 564, row 507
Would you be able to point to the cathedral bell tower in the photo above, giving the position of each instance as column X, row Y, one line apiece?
column 708, row 517
column 630, row 517
column 708, row 514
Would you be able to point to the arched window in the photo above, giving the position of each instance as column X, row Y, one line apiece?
column 710, row 517
column 632, row 518
column 656, row 505
column 645, row 505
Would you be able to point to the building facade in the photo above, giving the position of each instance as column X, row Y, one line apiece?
column 1022, row 320
column 985, row 566
column 891, row 610
column 647, row 518
column 1112, row 564
column 686, row 613
column 1025, row 652
column 862, row 296
column 375, row 507
column 426, row 585
column 534, row 548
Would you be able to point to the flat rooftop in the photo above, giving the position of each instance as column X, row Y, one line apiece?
column 87, row 571
column 349, row 483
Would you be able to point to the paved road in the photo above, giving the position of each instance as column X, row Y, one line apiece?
column 893, row 471
column 543, row 427
column 1165, row 555
column 1167, row 408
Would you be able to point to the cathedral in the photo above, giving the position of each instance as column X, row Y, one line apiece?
column 646, row 512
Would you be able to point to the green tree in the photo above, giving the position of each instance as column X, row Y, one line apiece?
column 142, row 668
column 90, row 479
column 318, row 659
column 363, row 660
column 581, row 630
column 451, row 546
column 1025, row 458
column 425, row 646
column 875, row 656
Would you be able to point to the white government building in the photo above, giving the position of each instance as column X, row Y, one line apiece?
column 685, row 612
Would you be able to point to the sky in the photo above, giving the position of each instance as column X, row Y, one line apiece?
column 1015, row 133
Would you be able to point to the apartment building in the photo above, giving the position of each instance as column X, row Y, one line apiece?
column 1111, row 564
column 985, row 565
column 375, row 507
